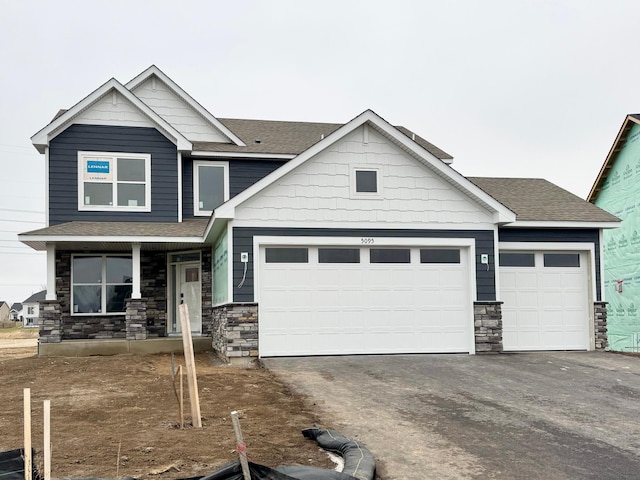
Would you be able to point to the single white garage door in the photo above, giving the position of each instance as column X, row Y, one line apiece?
column 546, row 301
column 358, row 300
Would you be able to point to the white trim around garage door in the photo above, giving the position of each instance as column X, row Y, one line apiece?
column 467, row 246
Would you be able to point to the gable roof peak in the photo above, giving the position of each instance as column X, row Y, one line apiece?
column 176, row 89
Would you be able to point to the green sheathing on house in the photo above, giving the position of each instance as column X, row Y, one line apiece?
column 620, row 195
column 220, row 270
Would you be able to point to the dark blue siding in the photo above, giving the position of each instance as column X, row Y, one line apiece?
column 242, row 174
column 243, row 242
column 587, row 235
column 63, row 171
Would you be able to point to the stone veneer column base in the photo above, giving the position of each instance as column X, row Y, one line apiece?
column 136, row 318
column 488, row 326
column 600, row 325
column 235, row 331
column 50, row 321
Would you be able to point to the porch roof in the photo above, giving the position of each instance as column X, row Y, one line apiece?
column 118, row 235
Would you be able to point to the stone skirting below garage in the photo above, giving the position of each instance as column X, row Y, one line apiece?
column 600, row 325
column 487, row 321
column 234, row 329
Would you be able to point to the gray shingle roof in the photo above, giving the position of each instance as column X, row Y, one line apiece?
column 36, row 297
column 538, row 200
column 188, row 228
column 288, row 138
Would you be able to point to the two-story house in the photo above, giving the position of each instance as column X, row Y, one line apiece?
column 31, row 309
column 297, row 238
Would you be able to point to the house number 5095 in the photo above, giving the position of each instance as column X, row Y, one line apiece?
column 366, row 241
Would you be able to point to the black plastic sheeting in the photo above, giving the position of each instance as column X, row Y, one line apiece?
column 12, row 465
column 359, row 463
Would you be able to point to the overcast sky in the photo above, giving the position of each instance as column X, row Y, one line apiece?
column 509, row 88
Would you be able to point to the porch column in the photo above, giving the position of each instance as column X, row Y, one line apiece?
column 51, row 272
column 135, row 260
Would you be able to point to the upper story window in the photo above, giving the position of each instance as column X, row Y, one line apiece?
column 210, row 186
column 366, row 183
column 114, row 181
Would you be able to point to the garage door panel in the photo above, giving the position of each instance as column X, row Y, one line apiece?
column 545, row 308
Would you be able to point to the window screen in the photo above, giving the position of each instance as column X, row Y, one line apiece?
column 366, row 181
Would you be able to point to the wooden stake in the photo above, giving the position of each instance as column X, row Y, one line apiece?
column 192, row 380
column 181, row 397
column 28, row 461
column 240, row 446
column 47, row 440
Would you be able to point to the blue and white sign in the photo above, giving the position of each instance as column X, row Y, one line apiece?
column 98, row 166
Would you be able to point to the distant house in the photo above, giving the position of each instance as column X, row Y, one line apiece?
column 31, row 307
column 617, row 190
column 4, row 311
column 16, row 312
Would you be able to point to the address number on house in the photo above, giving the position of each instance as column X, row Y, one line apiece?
column 367, row 241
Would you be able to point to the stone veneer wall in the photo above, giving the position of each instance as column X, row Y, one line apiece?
column 488, row 327
column 136, row 319
column 234, row 330
column 153, row 286
column 207, row 292
column 600, row 325
column 49, row 321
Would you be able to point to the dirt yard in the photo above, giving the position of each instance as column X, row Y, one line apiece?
column 118, row 416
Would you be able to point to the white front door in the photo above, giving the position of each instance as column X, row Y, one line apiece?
column 186, row 286
column 546, row 301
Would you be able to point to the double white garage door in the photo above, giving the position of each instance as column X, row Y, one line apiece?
column 316, row 300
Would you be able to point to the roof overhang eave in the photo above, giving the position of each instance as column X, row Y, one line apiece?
column 562, row 224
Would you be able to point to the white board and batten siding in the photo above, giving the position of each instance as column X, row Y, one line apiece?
column 177, row 112
column 320, row 192
column 547, row 304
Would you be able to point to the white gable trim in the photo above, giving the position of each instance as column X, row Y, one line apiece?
column 501, row 213
column 255, row 156
column 153, row 70
column 41, row 139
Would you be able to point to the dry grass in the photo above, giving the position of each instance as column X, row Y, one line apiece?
column 17, row 331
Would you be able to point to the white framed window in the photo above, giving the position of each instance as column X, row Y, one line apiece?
column 210, row 186
column 100, row 284
column 30, row 310
column 366, row 182
column 114, row 181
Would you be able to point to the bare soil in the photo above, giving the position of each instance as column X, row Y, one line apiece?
column 118, row 416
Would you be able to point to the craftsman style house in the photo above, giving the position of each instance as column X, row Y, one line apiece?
column 292, row 238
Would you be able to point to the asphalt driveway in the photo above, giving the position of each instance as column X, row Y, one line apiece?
column 511, row 416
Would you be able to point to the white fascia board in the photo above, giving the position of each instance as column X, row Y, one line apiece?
column 153, row 70
column 363, row 225
column 540, row 224
column 41, row 139
column 107, row 239
column 258, row 156
column 503, row 214
column 215, row 226
column 357, row 241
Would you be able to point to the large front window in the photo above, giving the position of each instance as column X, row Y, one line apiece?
column 209, row 186
column 100, row 284
column 114, row 181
